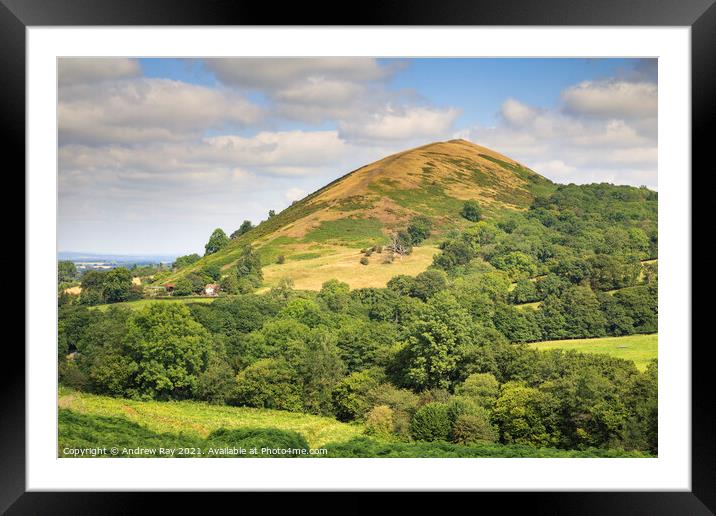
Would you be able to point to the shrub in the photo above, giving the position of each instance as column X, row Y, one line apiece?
column 364, row 261
column 419, row 229
column 403, row 402
column 472, row 211
column 483, row 388
column 281, row 259
column 379, row 422
column 350, row 397
column 431, row 423
column 268, row 383
column 216, row 383
column 71, row 375
column 471, row 428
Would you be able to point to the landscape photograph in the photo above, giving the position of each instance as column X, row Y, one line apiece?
column 357, row 257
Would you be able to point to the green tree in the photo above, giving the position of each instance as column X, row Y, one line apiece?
column 436, row 342
column 248, row 266
column 66, row 271
column 482, row 388
column 517, row 264
column 380, row 422
column 216, row 383
column 171, row 350
column 473, row 427
column 103, row 354
column 582, row 313
column 183, row 287
column 472, row 211
column 186, row 260
column 230, row 284
column 320, row 369
column 525, row 291
column 419, row 229
column 613, row 272
column 351, row 396
column 117, row 285
column 245, row 227
column 454, row 253
column 526, row 416
column 268, row 383
column 429, row 283
column 211, row 272
column 431, row 423
column 93, row 292
column 218, row 240
column 335, row 295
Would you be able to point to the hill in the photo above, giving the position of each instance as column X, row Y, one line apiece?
column 326, row 230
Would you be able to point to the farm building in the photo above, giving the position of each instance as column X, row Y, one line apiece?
column 212, row 289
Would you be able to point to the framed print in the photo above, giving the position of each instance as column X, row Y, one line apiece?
column 434, row 250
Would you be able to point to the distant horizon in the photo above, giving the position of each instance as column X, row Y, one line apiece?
column 66, row 255
column 154, row 154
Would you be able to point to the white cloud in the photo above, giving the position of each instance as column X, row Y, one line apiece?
column 400, row 124
column 280, row 73
column 516, row 113
column 612, row 98
column 555, row 168
column 585, row 140
column 78, row 70
column 295, row 194
column 145, row 110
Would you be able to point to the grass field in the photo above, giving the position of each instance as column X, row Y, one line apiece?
column 200, row 419
column 87, row 421
column 640, row 349
column 344, row 264
column 141, row 303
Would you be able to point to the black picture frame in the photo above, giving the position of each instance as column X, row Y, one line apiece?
column 700, row 15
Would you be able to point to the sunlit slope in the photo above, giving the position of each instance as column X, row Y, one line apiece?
column 363, row 207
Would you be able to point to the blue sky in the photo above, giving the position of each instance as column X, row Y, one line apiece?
column 156, row 153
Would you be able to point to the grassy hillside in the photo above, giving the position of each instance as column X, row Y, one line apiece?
column 144, row 427
column 640, row 349
column 141, row 303
column 197, row 419
column 363, row 207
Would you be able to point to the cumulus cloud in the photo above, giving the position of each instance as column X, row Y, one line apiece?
column 400, row 124
column 602, row 131
column 612, row 98
column 295, row 194
column 78, row 70
column 145, row 110
column 279, row 73
column 270, row 153
column 181, row 190
column 318, row 90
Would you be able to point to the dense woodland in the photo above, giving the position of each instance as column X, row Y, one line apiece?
column 437, row 358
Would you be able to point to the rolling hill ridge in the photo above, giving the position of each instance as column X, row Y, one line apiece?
column 321, row 235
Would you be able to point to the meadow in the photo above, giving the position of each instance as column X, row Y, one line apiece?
column 142, row 428
column 199, row 419
column 344, row 265
column 143, row 303
column 640, row 349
